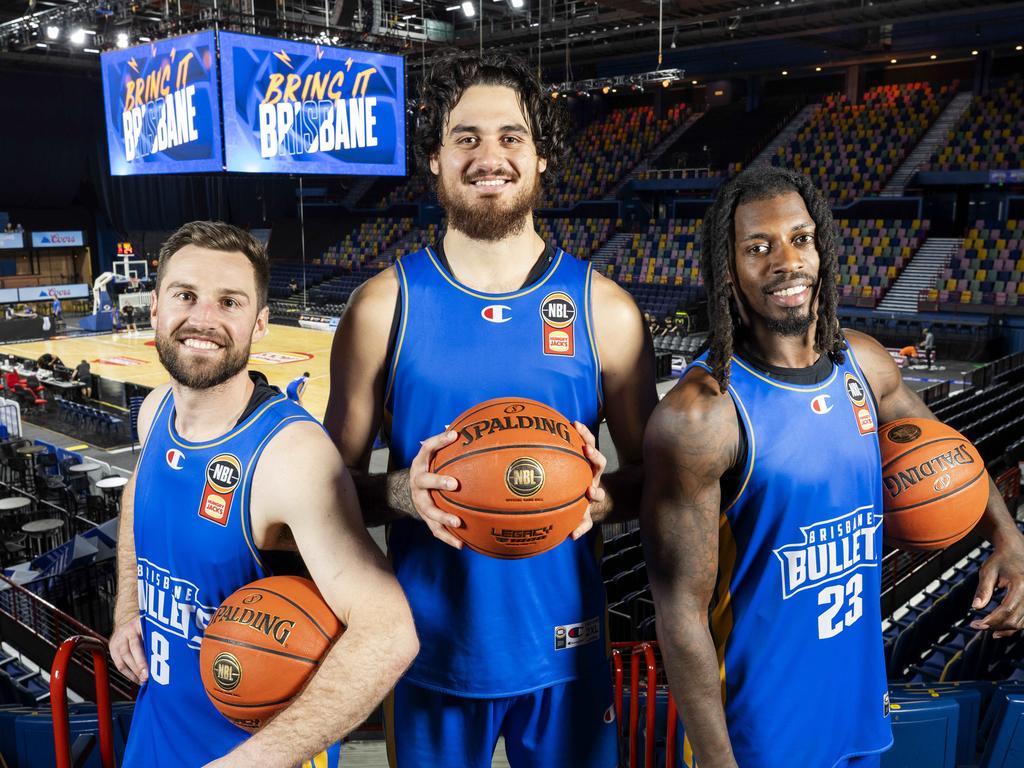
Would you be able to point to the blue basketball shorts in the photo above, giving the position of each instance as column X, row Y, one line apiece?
column 567, row 724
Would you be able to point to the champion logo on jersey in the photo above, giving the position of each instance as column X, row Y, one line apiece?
column 175, row 459
column 496, row 313
column 821, row 405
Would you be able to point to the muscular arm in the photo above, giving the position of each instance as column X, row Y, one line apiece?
column 321, row 512
column 356, row 402
column 627, row 381
column 1005, row 568
column 691, row 441
column 126, row 641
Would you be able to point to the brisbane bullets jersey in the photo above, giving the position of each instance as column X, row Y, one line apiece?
column 193, row 544
column 796, row 617
column 490, row 627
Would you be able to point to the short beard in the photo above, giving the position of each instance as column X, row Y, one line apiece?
column 792, row 324
column 486, row 220
column 199, row 376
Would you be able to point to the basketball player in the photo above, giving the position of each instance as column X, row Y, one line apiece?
column 229, row 469
column 762, row 500
column 492, row 310
column 297, row 387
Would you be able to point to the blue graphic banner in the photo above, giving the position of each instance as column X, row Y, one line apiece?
column 306, row 108
column 161, row 107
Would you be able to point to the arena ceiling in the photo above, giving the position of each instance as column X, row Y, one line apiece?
column 574, row 39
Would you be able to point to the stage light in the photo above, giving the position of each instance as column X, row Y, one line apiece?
column 122, row 39
column 78, row 36
column 52, row 32
column 469, row 9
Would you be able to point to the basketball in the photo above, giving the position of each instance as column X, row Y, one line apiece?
column 522, row 475
column 262, row 645
column 935, row 484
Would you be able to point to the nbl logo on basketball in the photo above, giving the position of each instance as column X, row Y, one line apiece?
column 227, row 672
column 524, row 477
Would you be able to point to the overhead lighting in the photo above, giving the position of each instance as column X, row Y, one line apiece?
column 469, row 9
column 453, row 7
column 785, row 72
column 664, row 83
column 892, row 61
column 974, row 53
column 91, row 50
column 554, row 94
column 52, row 32
column 605, row 89
column 1019, row 47
column 693, row 82
column 817, row 69
column 144, row 39
column 409, row 16
column 78, row 36
column 933, row 57
column 517, row 3
column 122, row 39
column 615, row 90
column 42, row 45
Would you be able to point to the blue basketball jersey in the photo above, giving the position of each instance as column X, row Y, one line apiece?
column 796, row 617
column 491, row 627
column 194, row 547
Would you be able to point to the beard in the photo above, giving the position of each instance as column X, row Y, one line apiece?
column 199, row 374
column 793, row 323
column 488, row 219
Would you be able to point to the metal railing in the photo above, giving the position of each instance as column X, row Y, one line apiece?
column 59, row 699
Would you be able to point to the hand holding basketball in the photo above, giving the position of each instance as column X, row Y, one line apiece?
column 422, row 481
column 595, row 492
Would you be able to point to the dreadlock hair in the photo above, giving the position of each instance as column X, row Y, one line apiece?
column 451, row 75
column 716, row 259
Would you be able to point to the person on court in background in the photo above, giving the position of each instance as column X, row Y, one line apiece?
column 83, row 375
column 128, row 314
column 756, row 459
column 491, row 310
column 296, row 388
column 207, row 505
column 928, row 345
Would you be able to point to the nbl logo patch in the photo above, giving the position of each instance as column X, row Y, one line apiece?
column 859, row 399
column 223, row 474
column 558, row 312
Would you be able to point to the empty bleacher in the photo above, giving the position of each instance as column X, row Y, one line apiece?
column 988, row 270
column 872, row 254
column 989, row 135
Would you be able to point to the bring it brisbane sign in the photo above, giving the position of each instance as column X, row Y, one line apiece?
column 210, row 102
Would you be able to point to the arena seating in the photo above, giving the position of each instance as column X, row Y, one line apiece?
column 987, row 270
column 606, row 150
column 578, row 237
column 365, row 244
column 873, row 253
column 853, row 149
column 281, row 274
column 989, row 135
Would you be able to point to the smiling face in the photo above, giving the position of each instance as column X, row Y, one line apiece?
column 488, row 170
column 206, row 316
column 775, row 263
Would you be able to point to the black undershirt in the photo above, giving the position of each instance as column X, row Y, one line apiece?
column 536, row 273
column 262, row 391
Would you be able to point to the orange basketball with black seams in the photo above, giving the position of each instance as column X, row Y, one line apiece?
column 262, row 645
column 935, row 484
column 522, row 477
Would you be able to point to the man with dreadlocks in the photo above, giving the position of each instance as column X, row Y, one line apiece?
column 762, row 501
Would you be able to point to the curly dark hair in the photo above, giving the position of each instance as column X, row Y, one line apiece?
column 448, row 79
column 716, row 260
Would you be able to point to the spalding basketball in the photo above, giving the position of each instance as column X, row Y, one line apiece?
column 522, row 475
column 936, row 486
column 262, row 645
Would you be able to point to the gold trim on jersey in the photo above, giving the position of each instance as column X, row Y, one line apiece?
column 404, row 296
column 149, row 435
column 590, row 336
column 389, row 729
column 515, row 295
column 766, row 380
column 230, row 435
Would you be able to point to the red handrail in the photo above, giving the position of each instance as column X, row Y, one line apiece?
column 652, row 701
column 59, row 699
